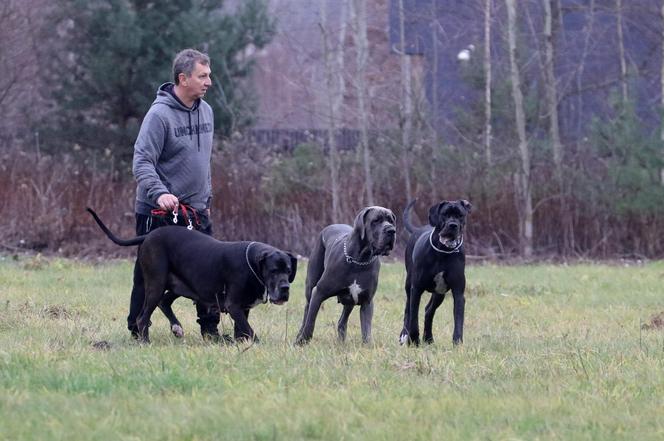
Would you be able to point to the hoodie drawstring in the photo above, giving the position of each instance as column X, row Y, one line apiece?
column 197, row 128
column 167, row 89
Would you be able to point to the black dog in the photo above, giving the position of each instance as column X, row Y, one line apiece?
column 231, row 276
column 435, row 262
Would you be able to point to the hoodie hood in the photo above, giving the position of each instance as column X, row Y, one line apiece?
column 166, row 95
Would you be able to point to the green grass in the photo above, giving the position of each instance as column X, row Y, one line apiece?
column 550, row 352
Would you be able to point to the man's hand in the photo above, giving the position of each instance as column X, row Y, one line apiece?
column 168, row 202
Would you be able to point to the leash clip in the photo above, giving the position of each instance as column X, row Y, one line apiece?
column 190, row 226
column 175, row 216
column 349, row 259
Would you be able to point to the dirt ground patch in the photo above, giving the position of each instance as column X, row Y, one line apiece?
column 655, row 322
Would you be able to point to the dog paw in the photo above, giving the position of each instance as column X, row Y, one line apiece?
column 301, row 341
column 406, row 339
column 133, row 329
column 177, row 331
column 244, row 338
column 428, row 339
column 212, row 337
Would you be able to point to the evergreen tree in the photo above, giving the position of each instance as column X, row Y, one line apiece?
column 631, row 156
column 114, row 54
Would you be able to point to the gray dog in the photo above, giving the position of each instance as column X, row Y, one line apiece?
column 344, row 263
column 435, row 262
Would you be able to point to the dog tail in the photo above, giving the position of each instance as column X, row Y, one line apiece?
column 122, row 242
column 406, row 217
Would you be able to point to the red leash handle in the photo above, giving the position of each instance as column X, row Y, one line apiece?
column 185, row 213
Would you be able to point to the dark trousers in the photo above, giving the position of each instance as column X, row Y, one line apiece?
column 208, row 320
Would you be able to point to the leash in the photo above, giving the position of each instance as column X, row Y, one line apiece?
column 246, row 256
column 349, row 259
column 455, row 250
column 185, row 212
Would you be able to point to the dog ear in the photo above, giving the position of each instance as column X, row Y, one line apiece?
column 467, row 205
column 434, row 213
column 293, row 261
column 262, row 258
column 393, row 218
column 359, row 225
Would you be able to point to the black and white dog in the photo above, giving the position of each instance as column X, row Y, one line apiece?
column 435, row 262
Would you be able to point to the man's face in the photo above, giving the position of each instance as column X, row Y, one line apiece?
column 198, row 83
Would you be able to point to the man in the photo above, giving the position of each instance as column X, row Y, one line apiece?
column 172, row 167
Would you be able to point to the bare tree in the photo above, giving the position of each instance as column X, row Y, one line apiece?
column 661, row 133
column 359, row 20
column 550, row 86
column 434, row 131
column 621, row 50
column 16, row 58
column 333, row 53
column 522, row 178
column 8, row 22
column 554, row 126
column 487, row 81
column 406, row 102
column 584, row 57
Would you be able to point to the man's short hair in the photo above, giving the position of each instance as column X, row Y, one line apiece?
column 186, row 60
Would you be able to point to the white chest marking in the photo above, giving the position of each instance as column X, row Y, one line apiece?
column 439, row 280
column 355, row 290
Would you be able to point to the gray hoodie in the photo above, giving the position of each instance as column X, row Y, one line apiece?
column 172, row 152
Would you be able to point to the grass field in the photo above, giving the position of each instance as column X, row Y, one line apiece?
column 550, row 353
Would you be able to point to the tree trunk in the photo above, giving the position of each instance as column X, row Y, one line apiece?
column 524, row 193
column 487, row 82
column 554, row 126
column 334, row 80
column 434, row 126
column 406, row 107
column 359, row 20
column 661, row 133
column 582, row 63
column 621, row 51
column 551, row 93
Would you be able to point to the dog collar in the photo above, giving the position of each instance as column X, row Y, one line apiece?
column 349, row 259
column 246, row 256
column 454, row 250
